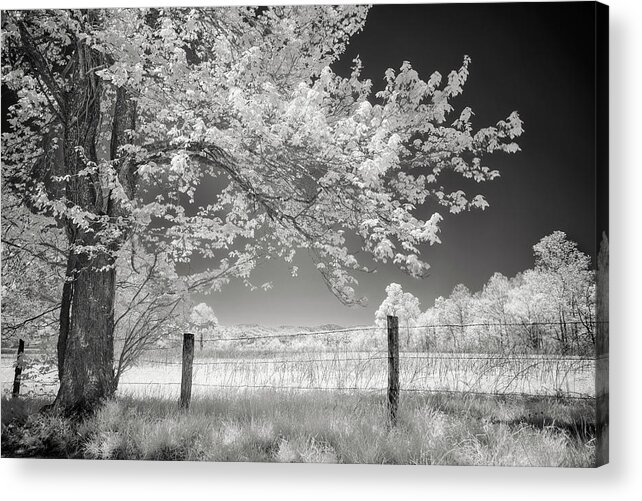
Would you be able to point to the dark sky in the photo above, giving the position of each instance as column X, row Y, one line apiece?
column 537, row 59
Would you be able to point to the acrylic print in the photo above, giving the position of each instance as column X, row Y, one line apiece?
column 340, row 234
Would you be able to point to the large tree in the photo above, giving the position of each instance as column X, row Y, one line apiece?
column 222, row 134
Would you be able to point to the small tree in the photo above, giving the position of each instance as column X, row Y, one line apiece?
column 529, row 305
column 430, row 334
column 453, row 313
column 202, row 319
column 401, row 304
column 490, row 307
column 151, row 303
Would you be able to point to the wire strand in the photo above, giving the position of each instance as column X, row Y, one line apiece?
column 252, row 362
column 383, row 328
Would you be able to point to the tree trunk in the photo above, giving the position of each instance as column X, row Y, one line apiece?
column 86, row 339
column 65, row 312
column 88, row 374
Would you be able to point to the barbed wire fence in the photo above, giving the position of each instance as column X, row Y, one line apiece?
column 243, row 363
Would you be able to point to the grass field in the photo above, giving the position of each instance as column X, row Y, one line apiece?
column 367, row 370
column 314, row 427
column 339, row 418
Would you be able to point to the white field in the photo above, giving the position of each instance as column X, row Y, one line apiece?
column 342, row 371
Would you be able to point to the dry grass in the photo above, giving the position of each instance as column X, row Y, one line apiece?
column 367, row 371
column 316, row 427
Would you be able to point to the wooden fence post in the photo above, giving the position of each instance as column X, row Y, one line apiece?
column 393, row 368
column 18, row 374
column 186, row 376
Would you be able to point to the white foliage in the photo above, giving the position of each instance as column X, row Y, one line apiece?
column 303, row 157
column 203, row 315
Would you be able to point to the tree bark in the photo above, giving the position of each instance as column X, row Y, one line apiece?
column 65, row 312
column 88, row 374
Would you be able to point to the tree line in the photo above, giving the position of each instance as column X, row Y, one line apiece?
column 549, row 308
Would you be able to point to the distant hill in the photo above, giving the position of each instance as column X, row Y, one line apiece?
column 259, row 336
column 255, row 329
column 328, row 327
